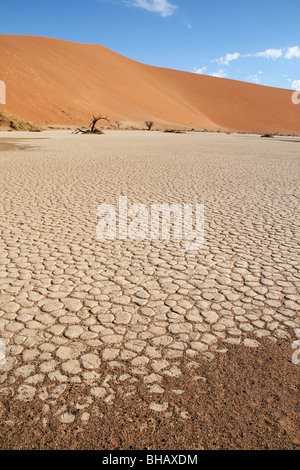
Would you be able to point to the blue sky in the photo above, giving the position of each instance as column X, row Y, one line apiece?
column 251, row 40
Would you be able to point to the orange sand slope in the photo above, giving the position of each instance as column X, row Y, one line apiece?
column 60, row 82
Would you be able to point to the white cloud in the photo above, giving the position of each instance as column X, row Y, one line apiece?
column 296, row 85
column 292, row 53
column 254, row 78
column 200, row 71
column 219, row 74
column 163, row 7
column 287, row 53
column 269, row 54
column 228, row 58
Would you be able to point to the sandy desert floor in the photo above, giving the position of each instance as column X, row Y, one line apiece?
column 141, row 344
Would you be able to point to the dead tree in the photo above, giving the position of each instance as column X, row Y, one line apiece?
column 149, row 125
column 92, row 127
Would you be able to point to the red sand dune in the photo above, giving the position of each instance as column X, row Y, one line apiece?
column 59, row 82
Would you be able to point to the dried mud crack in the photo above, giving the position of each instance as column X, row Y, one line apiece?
column 141, row 344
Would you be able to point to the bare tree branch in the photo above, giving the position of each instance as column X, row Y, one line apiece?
column 149, row 124
column 92, row 127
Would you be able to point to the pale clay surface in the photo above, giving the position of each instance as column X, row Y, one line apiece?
column 70, row 302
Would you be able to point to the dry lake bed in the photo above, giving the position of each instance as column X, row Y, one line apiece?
column 143, row 344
